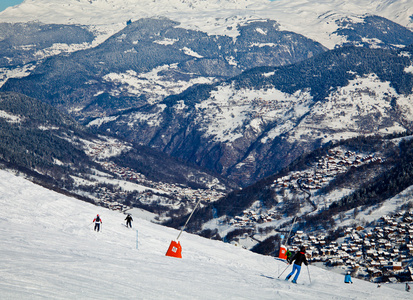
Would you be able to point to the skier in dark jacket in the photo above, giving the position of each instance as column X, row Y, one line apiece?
column 97, row 221
column 298, row 259
column 129, row 221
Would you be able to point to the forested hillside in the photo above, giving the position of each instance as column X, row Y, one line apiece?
column 53, row 150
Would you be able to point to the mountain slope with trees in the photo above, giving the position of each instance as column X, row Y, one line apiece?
column 55, row 151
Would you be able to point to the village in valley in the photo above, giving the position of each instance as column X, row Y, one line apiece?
column 123, row 187
column 318, row 176
column 379, row 253
column 382, row 252
column 174, row 192
column 327, row 168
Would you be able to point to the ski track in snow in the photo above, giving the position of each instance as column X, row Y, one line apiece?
column 49, row 250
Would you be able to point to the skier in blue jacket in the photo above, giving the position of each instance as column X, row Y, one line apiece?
column 298, row 258
column 347, row 278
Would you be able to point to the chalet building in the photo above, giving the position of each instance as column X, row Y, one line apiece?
column 397, row 266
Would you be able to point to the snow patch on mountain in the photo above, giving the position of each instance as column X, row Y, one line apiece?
column 409, row 69
column 350, row 110
column 228, row 113
column 150, row 119
column 58, row 48
column 155, row 84
column 11, row 118
column 191, row 52
column 310, row 18
column 20, row 72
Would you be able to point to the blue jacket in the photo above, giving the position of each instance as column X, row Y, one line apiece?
column 347, row 279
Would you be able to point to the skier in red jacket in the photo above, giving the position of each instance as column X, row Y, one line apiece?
column 97, row 221
column 298, row 258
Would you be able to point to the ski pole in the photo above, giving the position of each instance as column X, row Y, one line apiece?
column 308, row 270
column 283, row 271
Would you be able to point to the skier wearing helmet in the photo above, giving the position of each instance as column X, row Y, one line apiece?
column 97, row 221
column 298, row 258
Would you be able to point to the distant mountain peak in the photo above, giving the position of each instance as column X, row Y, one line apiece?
column 311, row 19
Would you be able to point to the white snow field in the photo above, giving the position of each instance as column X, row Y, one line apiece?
column 48, row 250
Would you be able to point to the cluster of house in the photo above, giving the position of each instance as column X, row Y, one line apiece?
column 163, row 193
column 250, row 218
column 380, row 253
column 327, row 168
column 123, row 172
column 103, row 149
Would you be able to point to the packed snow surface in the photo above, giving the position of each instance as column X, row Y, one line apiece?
column 48, row 250
column 312, row 18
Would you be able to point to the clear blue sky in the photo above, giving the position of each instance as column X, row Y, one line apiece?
column 6, row 3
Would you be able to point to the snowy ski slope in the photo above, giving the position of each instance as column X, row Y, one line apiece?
column 48, row 250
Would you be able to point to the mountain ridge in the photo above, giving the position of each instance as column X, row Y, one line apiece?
column 218, row 17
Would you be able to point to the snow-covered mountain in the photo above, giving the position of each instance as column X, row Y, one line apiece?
column 49, row 250
column 244, row 129
column 313, row 19
column 254, row 124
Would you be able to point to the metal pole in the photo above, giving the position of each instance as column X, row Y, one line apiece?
column 188, row 219
column 136, row 239
column 308, row 270
column 288, row 236
column 283, row 271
